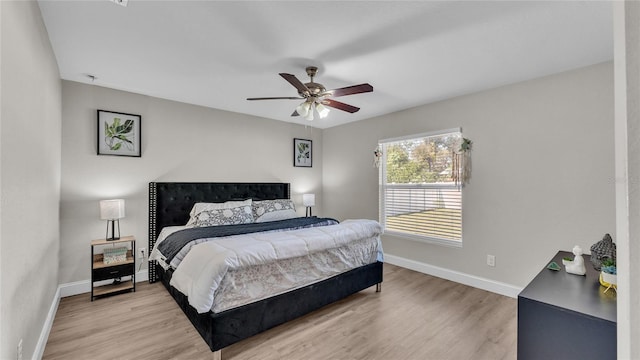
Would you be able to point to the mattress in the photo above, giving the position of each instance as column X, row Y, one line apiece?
column 222, row 273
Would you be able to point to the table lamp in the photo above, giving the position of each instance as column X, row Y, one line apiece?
column 309, row 200
column 112, row 211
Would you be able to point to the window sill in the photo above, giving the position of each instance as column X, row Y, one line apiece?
column 424, row 239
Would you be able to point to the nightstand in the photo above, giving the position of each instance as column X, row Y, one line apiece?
column 101, row 272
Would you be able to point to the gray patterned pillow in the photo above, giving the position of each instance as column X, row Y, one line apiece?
column 230, row 216
column 212, row 214
column 273, row 210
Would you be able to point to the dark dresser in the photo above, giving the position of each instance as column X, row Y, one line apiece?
column 566, row 316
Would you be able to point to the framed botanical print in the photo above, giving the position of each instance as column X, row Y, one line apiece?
column 118, row 133
column 302, row 155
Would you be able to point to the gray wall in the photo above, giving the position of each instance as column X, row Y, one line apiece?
column 542, row 179
column 180, row 142
column 30, row 176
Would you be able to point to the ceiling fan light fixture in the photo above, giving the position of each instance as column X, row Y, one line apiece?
column 303, row 109
column 322, row 110
column 309, row 115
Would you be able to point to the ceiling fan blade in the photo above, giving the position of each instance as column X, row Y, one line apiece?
column 295, row 113
column 349, row 90
column 293, row 80
column 340, row 105
column 276, row 98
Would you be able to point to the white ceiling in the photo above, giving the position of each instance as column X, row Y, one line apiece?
column 218, row 53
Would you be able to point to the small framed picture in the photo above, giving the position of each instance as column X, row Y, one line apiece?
column 118, row 133
column 302, row 155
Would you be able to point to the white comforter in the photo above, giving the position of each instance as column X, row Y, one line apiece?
column 203, row 268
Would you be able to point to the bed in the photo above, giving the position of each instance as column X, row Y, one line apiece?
column 170, row 204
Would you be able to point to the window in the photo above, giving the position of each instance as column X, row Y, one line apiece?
column 418, row 197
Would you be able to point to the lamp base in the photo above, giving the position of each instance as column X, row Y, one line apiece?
column 308, row 211
column 113, row 229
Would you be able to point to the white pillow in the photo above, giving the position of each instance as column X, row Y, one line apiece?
column 227, row 213
column 273, row 210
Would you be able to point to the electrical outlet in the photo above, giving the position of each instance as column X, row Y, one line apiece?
column 491, row 260
column 140, row 253
column 20, row 349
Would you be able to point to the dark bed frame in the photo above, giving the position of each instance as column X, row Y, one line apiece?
column 170, row 204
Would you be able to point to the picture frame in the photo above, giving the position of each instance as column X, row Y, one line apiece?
column 119, row 134
column 302, row 153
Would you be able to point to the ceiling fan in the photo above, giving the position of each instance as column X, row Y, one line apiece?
column 316, row 97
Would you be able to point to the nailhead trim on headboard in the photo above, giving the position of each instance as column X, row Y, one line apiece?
column 153, row 234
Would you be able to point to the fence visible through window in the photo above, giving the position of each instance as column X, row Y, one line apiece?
column 427, row 210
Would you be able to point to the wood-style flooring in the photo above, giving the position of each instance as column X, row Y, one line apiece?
column 416, row 316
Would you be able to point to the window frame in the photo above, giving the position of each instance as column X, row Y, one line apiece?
column 382, row 186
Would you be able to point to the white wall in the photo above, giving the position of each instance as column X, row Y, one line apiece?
column 542, row 180
column 627, row 97
column 30, row 176
column 180, row 142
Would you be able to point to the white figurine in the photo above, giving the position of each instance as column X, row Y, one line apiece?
column 577, row 265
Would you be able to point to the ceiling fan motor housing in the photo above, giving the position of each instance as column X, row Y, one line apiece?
column 315, row 89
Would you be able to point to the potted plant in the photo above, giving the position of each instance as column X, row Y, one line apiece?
column 608, row 273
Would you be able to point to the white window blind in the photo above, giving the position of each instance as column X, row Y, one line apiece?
column 418, row 197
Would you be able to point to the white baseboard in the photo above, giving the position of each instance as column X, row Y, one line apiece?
column 84, row 286
column 64, row 290
column 466, row 279
column 74, row 288
column 46, row 328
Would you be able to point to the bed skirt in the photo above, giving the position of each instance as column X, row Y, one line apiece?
column 222, row 329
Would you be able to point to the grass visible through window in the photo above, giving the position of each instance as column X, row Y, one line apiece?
column 440, row 223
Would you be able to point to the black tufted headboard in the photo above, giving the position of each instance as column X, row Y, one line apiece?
column 171, row 202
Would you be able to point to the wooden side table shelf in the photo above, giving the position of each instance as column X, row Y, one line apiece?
column 101, row 271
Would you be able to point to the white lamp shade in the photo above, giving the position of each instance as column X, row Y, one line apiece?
column 309, row 114
column 111, row 209
column 309, row 199
column 303, row 109
column 322, row 110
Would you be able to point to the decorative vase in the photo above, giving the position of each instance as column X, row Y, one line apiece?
column 608, row 278
column 609, row 281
